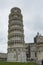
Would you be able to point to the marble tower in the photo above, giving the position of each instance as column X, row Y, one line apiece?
column 16, row 43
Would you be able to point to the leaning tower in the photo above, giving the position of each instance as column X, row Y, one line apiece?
column 16, row 46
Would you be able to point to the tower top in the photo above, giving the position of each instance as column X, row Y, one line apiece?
column 16, row 9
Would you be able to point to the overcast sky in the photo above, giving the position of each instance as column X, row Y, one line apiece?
column 32, row 11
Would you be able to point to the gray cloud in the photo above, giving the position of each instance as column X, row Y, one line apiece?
column 38, row 23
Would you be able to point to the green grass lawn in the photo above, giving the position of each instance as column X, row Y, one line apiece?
column 17, row 63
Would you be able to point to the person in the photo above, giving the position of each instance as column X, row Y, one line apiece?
column 42, row 62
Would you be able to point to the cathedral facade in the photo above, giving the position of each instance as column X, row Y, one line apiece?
column 18, row 50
